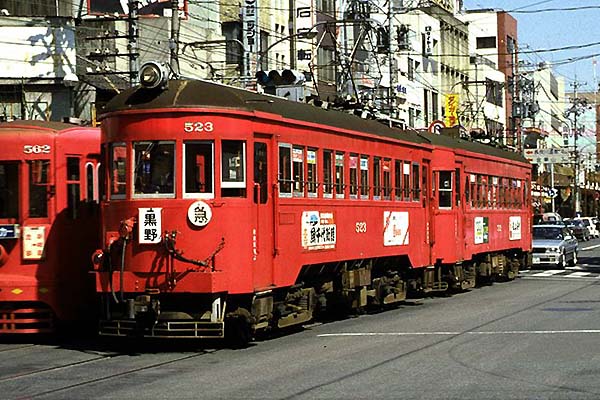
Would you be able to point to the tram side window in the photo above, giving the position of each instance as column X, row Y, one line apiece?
column 340, row 186
column 387, row 178
column 73, row 186
column 457, row 187
column 9, row 190
column 445, row 189
column 364, row 177
column 406, row 181
column 233, row 167
column 377, row 178
column 261, row 193
column 298, row 170
column 118, row 156
column 198, row 169
column 90, row 180
column 327, row 174
column 154, row 168
column 397, row 180
column 311, row 170
column 38, row 188
column 285, row 170
column 353, row 164
column 416, row 190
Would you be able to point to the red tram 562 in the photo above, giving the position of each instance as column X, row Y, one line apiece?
column 49, row 224
column 232, row 212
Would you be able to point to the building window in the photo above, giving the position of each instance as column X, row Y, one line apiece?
column 486, row 42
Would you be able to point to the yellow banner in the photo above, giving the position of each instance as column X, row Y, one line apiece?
column 452, row 101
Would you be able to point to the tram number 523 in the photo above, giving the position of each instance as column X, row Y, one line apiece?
column 361, row 227
column 198, row 126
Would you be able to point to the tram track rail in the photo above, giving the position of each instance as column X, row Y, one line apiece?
column 21, row 379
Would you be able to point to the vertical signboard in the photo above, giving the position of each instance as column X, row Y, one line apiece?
column 305, row 20
column 250, row 37
column 149, row 225
column 452, row 100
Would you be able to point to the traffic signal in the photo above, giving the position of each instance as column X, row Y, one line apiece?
column 274, row 78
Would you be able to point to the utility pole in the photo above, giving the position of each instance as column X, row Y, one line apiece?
column 132, row 46
column 577, row 108
column 174, row 40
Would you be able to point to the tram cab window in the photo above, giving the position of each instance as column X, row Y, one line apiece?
column 233, row 168
column 154, row 166
column 198, row 169
column 116, row 175
column 9, row 190
column 445, row 189
column 38, row 188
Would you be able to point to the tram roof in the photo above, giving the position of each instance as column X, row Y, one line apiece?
column 32, row 124
column 199, row 93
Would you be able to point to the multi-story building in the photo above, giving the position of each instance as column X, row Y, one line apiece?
column 493, row 56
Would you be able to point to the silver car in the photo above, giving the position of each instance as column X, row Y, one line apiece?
column 554, row 246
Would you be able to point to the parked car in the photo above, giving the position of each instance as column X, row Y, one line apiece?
column 578, row 228
column 546, row 218
column 591, row 225
column 554, row 246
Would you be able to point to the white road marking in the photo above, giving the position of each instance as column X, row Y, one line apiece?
column 549, row 272
column 577, row 274
column 443, row 333
column 590, row 247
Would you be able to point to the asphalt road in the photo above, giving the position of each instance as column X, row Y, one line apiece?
column 532, row 338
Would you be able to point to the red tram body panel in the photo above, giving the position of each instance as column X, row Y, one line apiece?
column 225, row 207
column 49, row 223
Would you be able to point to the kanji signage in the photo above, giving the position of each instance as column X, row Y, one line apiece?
column 149, row 225
column 199, row 213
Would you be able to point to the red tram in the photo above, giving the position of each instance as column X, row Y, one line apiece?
column 232, row 212
column 49, row 223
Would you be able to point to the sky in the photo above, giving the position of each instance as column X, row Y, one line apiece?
column 544, row 25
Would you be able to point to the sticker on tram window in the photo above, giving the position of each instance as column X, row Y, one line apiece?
column 36, row 149
column 198, row 126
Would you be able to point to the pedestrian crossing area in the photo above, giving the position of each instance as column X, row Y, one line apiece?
column 572, row 273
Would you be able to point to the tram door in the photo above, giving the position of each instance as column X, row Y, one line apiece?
column 448, row 224
column 262, row 245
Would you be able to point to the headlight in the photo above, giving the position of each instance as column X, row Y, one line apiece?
column 552, row 250
column 154, row 75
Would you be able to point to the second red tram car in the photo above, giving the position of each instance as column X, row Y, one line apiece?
column 49, row 224
column 229, row 211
